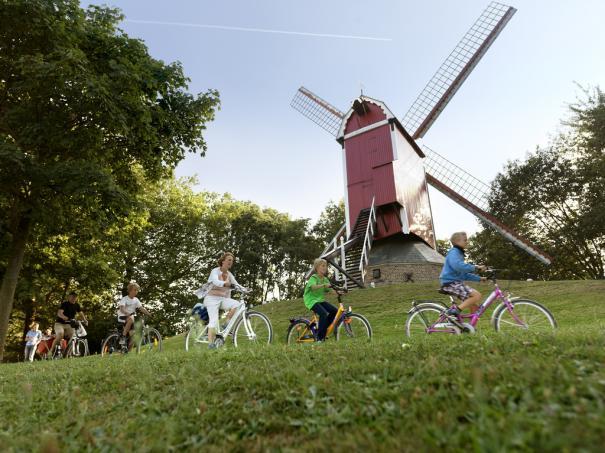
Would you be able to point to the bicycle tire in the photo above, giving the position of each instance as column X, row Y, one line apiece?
column 194, row 338
column 111, row 345
column 522, row 307
column 347, row 328
column 79, row 348
column 151, row 341
column 427, row 315
column 299, row 332
column 261, row 327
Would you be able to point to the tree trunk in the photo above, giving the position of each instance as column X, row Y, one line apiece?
column 29, row 310
column 9, row 281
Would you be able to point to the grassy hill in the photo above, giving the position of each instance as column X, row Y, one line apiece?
column 488, row 392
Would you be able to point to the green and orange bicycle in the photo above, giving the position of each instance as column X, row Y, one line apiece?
column 347, row 326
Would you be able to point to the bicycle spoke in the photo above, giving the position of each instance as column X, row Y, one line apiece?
column 429, row 318
column 197, row 336
column 299, row 333
column 532, row 315
column 354, row 328
column 253, row 331
column 150, row 342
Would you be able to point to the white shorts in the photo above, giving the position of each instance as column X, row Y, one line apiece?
column 215, row 303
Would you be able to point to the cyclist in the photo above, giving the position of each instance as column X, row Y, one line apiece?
column 316, row 289
column 219, row 297
column 67, row 312
column 456, row 271
column 127, row 307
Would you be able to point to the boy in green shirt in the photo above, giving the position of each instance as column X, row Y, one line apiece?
column 314, row 297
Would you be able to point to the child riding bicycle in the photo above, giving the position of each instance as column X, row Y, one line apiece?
column 456, row 271
column 127, row 307
column 316, row 289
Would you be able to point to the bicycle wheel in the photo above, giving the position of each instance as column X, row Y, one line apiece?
column 151, row 341
column 527, row 316
column 197, row 336
column 111, row 345
column 57, row 354
column 79, row 348
column 354, row 327
column 258, row 331
column 300, row 332
column 428, row 318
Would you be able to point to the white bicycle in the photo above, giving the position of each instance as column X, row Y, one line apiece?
column 250, row 329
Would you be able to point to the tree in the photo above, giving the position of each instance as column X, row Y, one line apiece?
column 330, row 221
column 172, row 250
column 443, row 246
column 82, row 105
column 555, row 198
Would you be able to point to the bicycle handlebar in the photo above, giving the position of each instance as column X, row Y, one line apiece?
column 339, row 289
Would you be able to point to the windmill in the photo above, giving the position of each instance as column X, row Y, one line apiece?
column 388, row 232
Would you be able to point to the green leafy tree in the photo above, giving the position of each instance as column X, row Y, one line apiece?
column 443, row 246
column 81, row 106
column 330, row 221
column 172, row 250
column 555, row 198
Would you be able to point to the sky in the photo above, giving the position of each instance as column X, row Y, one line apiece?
column 262, row 150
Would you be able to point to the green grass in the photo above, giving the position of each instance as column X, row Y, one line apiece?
column 487, row 392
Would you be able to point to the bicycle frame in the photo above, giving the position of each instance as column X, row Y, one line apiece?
column 71, row 343
column 240, row 313
column 473, row 318
column 339, row 318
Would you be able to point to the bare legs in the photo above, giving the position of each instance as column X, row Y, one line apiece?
column 474, row 300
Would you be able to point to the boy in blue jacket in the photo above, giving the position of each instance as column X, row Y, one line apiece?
column 455, row 272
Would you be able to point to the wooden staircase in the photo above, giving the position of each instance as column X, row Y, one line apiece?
column 350, row 255
column 353, row 255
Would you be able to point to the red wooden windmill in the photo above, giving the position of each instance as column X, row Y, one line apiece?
column 388, row 230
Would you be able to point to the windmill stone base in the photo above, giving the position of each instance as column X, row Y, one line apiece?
column 402, row 258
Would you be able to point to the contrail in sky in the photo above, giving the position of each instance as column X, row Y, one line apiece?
column 258, row 30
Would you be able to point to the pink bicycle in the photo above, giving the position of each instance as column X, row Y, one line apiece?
column 513, row 314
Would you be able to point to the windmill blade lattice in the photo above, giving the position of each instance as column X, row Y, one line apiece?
column 317, row 110
column 471, row 194
column 456, row 68
column 465, row 184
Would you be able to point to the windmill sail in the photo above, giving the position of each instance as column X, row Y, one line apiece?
column 470, row 193
column 317, row 110
column 456, row 68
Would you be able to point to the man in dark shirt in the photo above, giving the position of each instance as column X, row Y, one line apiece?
column 68, row 311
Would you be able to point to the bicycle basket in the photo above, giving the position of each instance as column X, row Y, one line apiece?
column 81, row 331
column 199, row 311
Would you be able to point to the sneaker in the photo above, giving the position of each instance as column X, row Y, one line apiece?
column 453, row 315
column 212, row 346
column 453, row 312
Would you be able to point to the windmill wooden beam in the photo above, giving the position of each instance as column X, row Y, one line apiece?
column 456, row 68
column 492, row 221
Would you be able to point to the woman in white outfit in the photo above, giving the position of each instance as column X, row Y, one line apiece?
column 219, row 297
